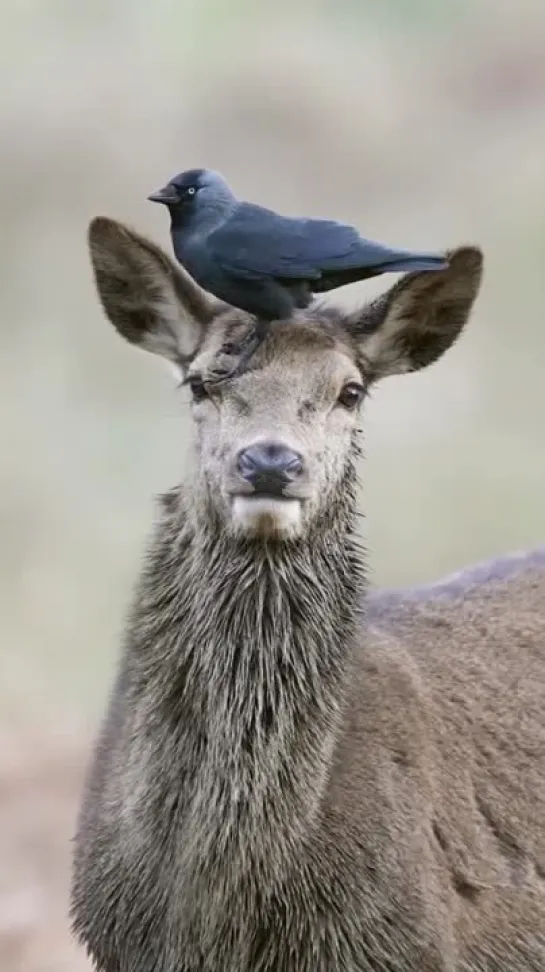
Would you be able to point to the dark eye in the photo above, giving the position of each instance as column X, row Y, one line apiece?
column 198, row 389
column 351, row 395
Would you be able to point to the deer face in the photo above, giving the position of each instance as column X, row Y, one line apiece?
column 276, row 444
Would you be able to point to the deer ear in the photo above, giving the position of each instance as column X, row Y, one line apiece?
column 150, row 301
column 420, row 317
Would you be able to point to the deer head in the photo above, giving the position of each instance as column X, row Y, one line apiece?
column 276, row 445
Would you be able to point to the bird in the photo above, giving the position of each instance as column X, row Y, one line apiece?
column 261, row 262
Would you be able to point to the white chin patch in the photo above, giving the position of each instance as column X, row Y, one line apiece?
column 266, row 516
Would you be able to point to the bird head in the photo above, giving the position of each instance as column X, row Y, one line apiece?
column 195, row 191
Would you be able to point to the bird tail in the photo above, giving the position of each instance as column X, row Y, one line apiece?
column 375, row 260
column 397, row 261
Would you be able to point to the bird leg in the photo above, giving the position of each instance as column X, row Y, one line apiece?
column 242, row 350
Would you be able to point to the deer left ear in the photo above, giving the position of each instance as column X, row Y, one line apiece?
column 152, row 302
column 419, row 318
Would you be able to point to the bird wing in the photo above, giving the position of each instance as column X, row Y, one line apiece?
column 257, row 242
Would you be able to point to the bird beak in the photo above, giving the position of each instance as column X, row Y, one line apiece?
column 168, row 195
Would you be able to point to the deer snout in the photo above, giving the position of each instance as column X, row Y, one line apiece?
column 269, row 467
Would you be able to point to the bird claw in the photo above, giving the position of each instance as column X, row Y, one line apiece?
column 243, row 350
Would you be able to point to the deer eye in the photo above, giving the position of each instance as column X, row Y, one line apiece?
column 351, row 395
column 198, row 388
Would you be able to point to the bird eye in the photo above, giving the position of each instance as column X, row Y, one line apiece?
column 191, row 191
column 198, row 389
column 351, row 395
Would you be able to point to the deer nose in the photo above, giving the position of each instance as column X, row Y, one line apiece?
column 269, row 467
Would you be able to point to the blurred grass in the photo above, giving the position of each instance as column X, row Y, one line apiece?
column 421, row 16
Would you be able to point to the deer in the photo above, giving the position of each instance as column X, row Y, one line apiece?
column 296, row 772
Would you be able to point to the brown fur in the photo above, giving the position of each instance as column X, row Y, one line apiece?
column 296, row 774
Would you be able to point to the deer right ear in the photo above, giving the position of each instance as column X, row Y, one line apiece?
column 151, row 301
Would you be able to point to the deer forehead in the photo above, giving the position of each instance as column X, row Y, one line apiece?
column 298, row 361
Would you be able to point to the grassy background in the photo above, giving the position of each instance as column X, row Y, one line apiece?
column 421, row 122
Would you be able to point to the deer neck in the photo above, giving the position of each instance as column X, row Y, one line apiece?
column 241, row 653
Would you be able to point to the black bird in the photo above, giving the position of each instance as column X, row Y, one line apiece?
column 264, row 263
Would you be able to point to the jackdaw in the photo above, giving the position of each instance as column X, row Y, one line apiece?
column 266, row 264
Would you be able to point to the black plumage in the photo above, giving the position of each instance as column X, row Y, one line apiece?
column 264, row 263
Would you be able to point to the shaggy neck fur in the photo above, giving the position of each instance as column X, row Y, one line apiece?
column 238, row 654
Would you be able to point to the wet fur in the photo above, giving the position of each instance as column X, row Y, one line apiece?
column 298, row 775
column 274, row 791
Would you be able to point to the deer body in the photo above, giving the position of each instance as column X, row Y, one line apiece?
column 295, row 774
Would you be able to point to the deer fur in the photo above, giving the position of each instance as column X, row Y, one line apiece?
column 296, row 774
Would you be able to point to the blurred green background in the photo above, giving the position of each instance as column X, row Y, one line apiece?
column 423, row 123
